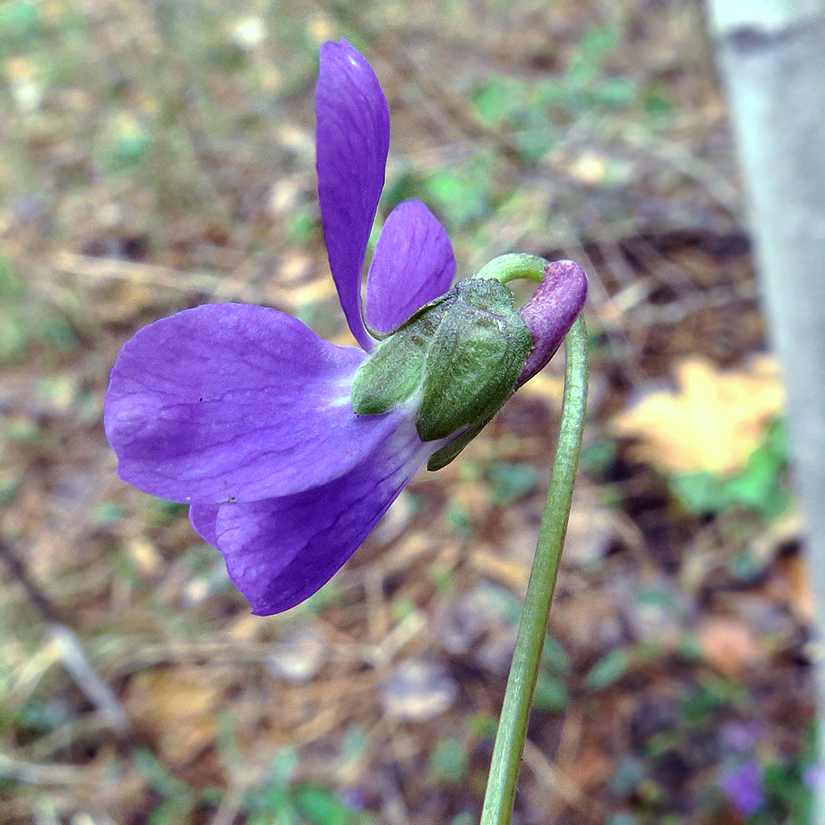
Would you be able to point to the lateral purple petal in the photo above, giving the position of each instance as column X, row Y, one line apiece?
column 352, row 141
column 280, row 551
column 413, row 264
column 229, row 402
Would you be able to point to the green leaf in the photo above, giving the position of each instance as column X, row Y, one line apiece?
column 551, row 694
column 609, row 669
column 448, row 760
column 19, row 25
column 499, row 100
column 321, row 806
column 554, row 658
column 10, row 283
column 615, row 92
column 598, row 457
column 510, row 482
column 702, row 493
column 462, row 195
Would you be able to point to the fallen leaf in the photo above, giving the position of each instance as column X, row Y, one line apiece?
column 712, row 422
column 794, row 578
column 177, row 708
column 729, row 645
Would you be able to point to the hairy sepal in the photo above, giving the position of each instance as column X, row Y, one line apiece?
column 462, row 353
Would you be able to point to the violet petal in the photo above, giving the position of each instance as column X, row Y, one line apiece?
column 743, row 786
column 413, row 264
column 352, row 141
column 280, row 551
column 203, row 518
column 231, row 402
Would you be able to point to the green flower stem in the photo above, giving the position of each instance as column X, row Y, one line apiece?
column 514, row 265
column 521, row 684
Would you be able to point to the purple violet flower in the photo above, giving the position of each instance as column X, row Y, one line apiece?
column 246, row 415
column 743, row 787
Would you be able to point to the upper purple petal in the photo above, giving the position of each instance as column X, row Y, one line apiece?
column 231, row 402
column 280, row 551
column 413, row 264
column 352, row 141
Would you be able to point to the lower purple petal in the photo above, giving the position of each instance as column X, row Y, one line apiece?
column 228, row 402
column 280, row 551
column 204, row 518
column 413, row 264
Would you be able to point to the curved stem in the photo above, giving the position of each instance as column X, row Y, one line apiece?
column 521, row 684
column 514, row 265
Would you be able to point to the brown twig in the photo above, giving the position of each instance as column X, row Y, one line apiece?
column 67, row 648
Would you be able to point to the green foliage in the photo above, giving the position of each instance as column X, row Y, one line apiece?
column 759, row 487
column 700, row 706
column 552, row 691
column 788, row 797
column 303, row 228
column 464, row 194
column 598, row 457
column 510, row 482
column 25, row 323
column 122, row 143
column 286, row 803
column 36, row 718
column 10, row 284
column 609, row 669
column 178, row 798
column 320, row 806
column 483, row 726
column 534, row 110
column 623, row 818
column 448, row 760
column 459, row 519
column 554, row 659
column 19, row 26
column 108, row 512
column 628, row 775
column 552, row 694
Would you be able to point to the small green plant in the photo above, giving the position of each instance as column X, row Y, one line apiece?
column 510, row 482
column 288, row 803
column 552, row 691
column 759, row 487
column 535, row 110
column 178, row 800
column 448, row 760
column 19, row 26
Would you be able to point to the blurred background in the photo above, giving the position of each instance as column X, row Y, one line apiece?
column 160, row 155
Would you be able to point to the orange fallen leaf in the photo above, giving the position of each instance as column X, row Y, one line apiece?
column 712, row 422
column 729, row 645
column 177, row 708
column 797, row 576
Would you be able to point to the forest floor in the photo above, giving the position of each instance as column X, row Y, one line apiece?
column 160, row 155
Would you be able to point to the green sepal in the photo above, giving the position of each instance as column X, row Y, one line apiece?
column 395, row 369
column 474, row 360
column 449, row 452
column 461, row 353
